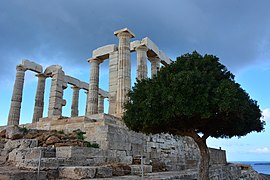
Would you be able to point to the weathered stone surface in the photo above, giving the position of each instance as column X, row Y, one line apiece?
column 52, row 140
column 136, row 169
column 20, row 144
column 119, row 169
column 104, row 172
column 3, row 133
column 79, row 172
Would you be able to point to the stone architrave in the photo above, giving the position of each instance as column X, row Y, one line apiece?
column 113, row 80
column 155, row 65
column 56, row 101
column 141, row 62
column 75, row 101
column 39, row 99
column 124, row 68
column 100, row 104
column 92, row 104
column 16, row 100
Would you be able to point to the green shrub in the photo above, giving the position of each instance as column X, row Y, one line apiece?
column 93, row 145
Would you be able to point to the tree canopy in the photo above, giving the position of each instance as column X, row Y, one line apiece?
column 194, row 96
column 195, row 93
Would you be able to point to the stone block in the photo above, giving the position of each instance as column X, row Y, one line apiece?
column 79, row 172
column 29, row 65
column 104, row 51
column 20, row 144
column 125, row 159
column 78, row 152
column 136, row 169
column 104, row 172
column 164, row 57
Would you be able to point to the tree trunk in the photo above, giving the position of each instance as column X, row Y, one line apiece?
column 204, row 152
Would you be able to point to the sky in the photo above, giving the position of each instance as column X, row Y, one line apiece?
column 65, row 32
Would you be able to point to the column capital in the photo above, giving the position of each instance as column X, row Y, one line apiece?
column 20, row 68
column 124, row 32
column 41, row 75
column 141, row 47
column 155, row 59
column 75, row 88
column 94, row 59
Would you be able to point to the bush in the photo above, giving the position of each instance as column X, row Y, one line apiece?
column 93, row 145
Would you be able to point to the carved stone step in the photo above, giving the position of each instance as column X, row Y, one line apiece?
column 83, row 172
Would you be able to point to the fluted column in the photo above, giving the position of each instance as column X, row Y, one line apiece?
column 92, row 104
column 113, row 80
column 141, row 62
column 86, row 105
column 56, row 101
column 100, row 104
column 16, row 100
column 155, row 66
column 75, row 101
column 124, row 69
column 39, row 99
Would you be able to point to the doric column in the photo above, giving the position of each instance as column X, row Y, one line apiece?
column 92, row 104
column 100, row 104
column 56, row 101
column 39, row 99
column 86, row 92
column 75, row 102
column 124, row 68
column 141, row 62
column 16, row 100
column 113, row 80
column 155, row 66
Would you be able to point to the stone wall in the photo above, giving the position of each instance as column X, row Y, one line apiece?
column 163, row 151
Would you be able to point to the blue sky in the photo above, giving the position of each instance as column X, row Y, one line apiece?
column 65, row 32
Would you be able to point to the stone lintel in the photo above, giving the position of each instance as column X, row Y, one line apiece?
column 152, row 47
column 49, row 71
column 134, row 44
column 73, row 81
column 29, row 65
column 124, row 30
column 104, row 51
column 165, row 60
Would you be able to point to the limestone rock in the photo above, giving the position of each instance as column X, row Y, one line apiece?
column 52, row 140
column 3, row 133
column 120, row 169
column 104, row 172
column 79, row 172
column 14, row 132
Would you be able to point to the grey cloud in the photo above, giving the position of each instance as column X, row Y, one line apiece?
column 67, row 31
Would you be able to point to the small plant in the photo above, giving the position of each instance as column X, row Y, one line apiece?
column 61, row 132
column 80, row 134
column 93, row 145
column 24, row 129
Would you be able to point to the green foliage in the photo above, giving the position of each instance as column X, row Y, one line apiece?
column 93, row 145
column 61, row 132
column 80, row 134
column 24, row 129
column 194, row 93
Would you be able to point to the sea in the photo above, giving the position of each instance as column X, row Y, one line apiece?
column 259, row 166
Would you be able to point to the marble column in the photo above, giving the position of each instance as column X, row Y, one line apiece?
column 141, row 62
column 113, row 80
column 56, row 101
column 92, row 104
column 86, row 92
column 100, row 104
column 39, row 99
column 75, row 101
column 155, row 66
column 16, row 100
column 124, row 68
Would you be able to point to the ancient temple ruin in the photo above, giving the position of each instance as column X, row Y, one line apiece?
column 119, row 79
column 117, row 144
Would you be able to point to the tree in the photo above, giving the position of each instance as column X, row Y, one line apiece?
column 194, row 96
